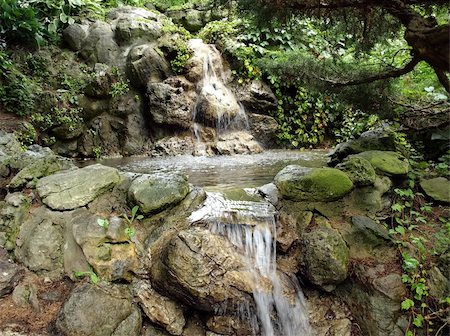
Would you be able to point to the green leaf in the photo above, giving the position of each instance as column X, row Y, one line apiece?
column 134, row 210
column 400, row 229
column 418, row 321
column 139, row 217
column 407, row 304
column 94, row 278
column 130, row 232
column 104, row 223
column 409, row 333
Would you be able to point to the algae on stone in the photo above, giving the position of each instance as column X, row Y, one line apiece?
column 386, row 162
column 437, row 188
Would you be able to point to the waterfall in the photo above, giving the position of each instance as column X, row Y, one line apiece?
column 251, row 226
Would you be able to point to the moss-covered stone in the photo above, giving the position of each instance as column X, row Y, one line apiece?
column 386, row 162
column 318, row 184
column 359, row 170
column 437, row 188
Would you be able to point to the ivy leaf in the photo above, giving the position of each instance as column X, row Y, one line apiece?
column 407, row 304
column 400, row 229
column 418, row 321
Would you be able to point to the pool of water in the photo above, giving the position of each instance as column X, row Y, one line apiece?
column 222, row 173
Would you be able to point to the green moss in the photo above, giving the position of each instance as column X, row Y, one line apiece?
column 386, row 162
column 359, row 170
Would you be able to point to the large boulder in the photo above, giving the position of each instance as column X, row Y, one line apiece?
column 99, row 311
column 74, row 35
column 326, row 257
column 370, row 199
column 264, row 128
column 386, row 162
column 359, row 170
column 257, row 97
column 437, row 188
column 76, row 188
column 236, row 143
column 171, row 102
column 153, row 193
column 13, row 212
column 99, row 46
column 312, row 184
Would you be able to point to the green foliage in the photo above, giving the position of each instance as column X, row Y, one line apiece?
column 103, row 222
column 18, row 93
column 120, row 85
column 91, row 274
column 129, row 230
column 183, row 54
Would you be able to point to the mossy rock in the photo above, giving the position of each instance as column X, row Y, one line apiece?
column 359, row 170
column 312, row 184
column 386, row 162
column 437, row 188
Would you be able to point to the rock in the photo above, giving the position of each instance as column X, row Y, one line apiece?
column 230, row 325
column 160, row 309
column 382, row 139
column 437, row 188
column 173, row 146
column 131, row 325
column 157, row 191
column 34, row 152
column 9, row 145
column 98, row 310
column 146, row 64
column 203, row 270
column 13, row 212
column 257, row 97
column 386, row 163
column 370, row 199
column 438, row 283
column 171, row 102
column 326, row 257
column 45, row 166
column 359, row 170
column 137, row 136
column 264, row 128
column 25, row 295
column 312, row 184
column 269, row 192
column 236, row 143
column 93, row 107
column 76, row 188
column 40, row 241
column 74, row 35
column 109, row 251
column 99, row 85
column 10, row 274
column 99, row 46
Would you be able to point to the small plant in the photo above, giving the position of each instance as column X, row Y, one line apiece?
column 129, row 230
column 91, row 274
column 103, row 222
column 97, row 152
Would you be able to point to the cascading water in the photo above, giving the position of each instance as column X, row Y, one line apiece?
column 251, row 226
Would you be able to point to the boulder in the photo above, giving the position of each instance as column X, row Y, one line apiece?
column 146, row 64
column 22, row 159
column 13, row 212
column 9, row 145
column 10, row 274
column 359, row 170
column 100, row 47
column 76, row 188
column 437, row 188
column 45, row 166
column 264, row 128
column 239, row 142
column 312, row 184
column 160, row 309
column 153, row 193
column 203, row 270
column 257, row 97
column 99, row 85
column 100, row 311
column 74, row 35
column 386, row 162
column 171, row 102
column 326, row 257
column 382, row 139
column 370, row 199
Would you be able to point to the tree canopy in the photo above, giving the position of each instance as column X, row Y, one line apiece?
column 428, row 39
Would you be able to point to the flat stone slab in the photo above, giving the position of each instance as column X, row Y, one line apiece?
column 437, row 188
column 76, row 188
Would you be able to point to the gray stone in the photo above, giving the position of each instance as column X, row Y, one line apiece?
column 25, row 294
column 437, row 188
column 257, row 97
column 326, row 257
column 146, row 64
column 370, row 199
column 13, row 212
column 9, row 145
column 98, row 311
column 74, row 35
column 269, row 192
column 171, row 102
column 157, row 191
column 99, row 46
column 312, row 184
column 160, row 309
column 74, row 189
column 45, row 166
column 10, row 274
column 22, row 159
column 264, row 128
column 99, row 85
column 238, row 142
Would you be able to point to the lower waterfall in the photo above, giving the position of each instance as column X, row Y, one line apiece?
column 251, row 227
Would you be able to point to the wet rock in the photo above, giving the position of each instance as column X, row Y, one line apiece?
column 45, row 166
column 270, row 192
column 386, row 163
column 203, row 270
column 146, row 64
column 438, row 283
column 264, row 128
column 171, row 102
column 98, row 310
column 312, row 184
column 257, row 97
column 76, row 188
column 437, row 188
column 230, row 325
column 359, row 170
column 326, row 257
column 158, row 191
column 236, row 143
column 10, row 274
column 160, row 309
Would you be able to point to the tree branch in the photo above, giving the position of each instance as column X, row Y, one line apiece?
column 385, row 75
column 443, row 79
